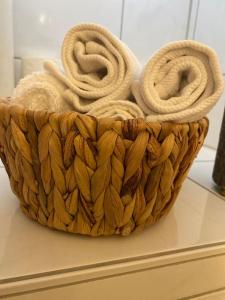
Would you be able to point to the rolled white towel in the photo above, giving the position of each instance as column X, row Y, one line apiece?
column 98, row 67
column 40, row 91
column 181, row 82
column 118, row 109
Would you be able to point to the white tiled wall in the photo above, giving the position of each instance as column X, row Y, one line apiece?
column 145, row 25
column 39, row 26
column 149, row 24
column 215, row 119
column 210, row 26
column 6, row 48
column 210, row 29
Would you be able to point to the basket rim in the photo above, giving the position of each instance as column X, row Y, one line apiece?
column 19, row 109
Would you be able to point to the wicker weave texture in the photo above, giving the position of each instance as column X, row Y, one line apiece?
column 78, row 174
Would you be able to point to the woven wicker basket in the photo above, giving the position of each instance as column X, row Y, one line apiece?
column 78, row 174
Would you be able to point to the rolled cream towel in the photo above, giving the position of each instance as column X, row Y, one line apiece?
column 118, row 109
column 98, row 67
column 40, row 91
column 181, row 83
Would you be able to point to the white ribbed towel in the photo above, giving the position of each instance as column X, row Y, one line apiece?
column 40, row 91
column 98, row 67
column 181, row 82
column 118, row 109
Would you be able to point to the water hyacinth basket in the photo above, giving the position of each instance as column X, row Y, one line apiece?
column 79, row 174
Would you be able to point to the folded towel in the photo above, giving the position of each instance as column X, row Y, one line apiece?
column 118, row 109
column 97, row 65
column 40, row 91
column 181, row 82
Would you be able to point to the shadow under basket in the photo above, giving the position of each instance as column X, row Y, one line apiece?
column 80, row 174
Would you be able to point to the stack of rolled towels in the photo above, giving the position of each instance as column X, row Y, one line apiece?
column 102, row 77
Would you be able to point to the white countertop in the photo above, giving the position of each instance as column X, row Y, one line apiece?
column 28, row 250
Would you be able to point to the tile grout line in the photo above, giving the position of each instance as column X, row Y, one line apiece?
column 204, row 160
column 122, row 19
column 187, row 33
column 196, row 19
